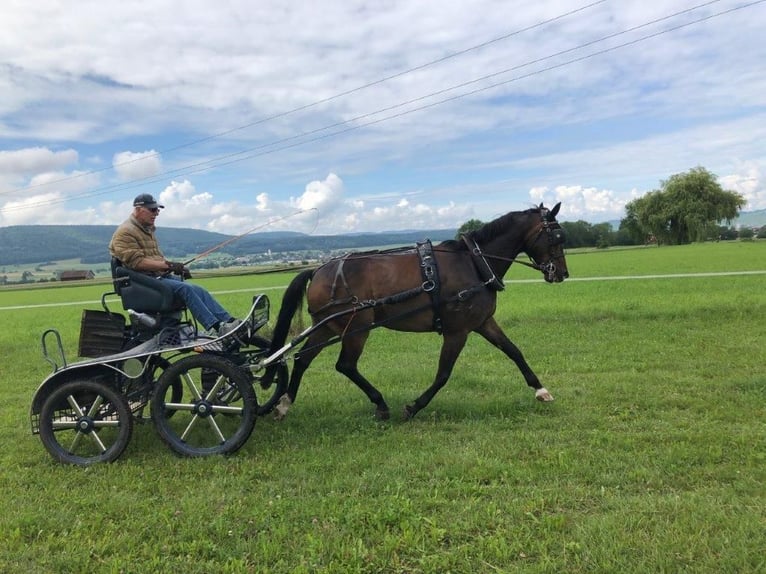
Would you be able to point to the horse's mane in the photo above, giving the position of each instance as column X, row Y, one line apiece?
column 486, row 232
column 489, row 231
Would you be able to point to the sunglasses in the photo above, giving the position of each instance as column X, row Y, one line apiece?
column 152, row 209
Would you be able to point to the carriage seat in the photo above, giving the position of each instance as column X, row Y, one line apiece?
column 143, row 293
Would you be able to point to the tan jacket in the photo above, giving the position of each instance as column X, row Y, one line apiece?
column 132, row 242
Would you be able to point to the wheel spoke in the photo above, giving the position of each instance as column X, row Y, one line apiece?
column 75, row 407
column 227, row 410
column 75, row 442
column 96, row 406
column 195, row 391
column 179, row 406
column 191, row 424
column 97, row 440
column 216, row 429
column 63, row 425
column 105, row 424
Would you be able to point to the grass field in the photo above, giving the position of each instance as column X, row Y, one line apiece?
column 652, row 458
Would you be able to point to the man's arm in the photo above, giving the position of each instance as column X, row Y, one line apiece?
column 152, row 265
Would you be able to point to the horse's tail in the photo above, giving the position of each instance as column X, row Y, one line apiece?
column 291, row 300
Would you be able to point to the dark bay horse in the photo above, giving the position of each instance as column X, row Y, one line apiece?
column 450, row 288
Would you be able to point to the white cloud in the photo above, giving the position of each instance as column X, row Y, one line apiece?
column 324, row 196
column 593, row 134
column 136, row 165
column 32, row 161
column 750, row 183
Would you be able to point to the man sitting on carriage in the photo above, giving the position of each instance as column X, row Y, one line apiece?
column 134, row 244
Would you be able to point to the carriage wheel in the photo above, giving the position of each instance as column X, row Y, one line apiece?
column 216, row 411
column 277, row 386
column 85, row 422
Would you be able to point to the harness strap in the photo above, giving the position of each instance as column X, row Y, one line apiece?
column 431, row 282
column 486, row 274
column 338, row 274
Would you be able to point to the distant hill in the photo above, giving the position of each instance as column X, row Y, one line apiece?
column 751, row 219
column 25, row 244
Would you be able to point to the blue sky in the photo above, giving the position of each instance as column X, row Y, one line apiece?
column 372, row 116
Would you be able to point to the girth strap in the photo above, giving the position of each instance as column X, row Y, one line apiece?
column 431, row 282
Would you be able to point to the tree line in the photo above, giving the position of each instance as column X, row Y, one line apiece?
column 690, row 206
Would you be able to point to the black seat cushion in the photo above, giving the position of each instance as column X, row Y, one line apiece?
column 141, row 292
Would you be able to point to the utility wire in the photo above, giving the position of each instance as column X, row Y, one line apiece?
column 234, row 158
column 322, row 101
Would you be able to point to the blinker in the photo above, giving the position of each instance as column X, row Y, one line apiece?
column 556, row 236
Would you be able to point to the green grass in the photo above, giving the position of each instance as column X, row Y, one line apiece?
column 651, row 459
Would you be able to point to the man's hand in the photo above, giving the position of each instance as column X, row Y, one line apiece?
column 178, row 269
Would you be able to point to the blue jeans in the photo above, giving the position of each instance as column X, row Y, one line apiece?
column 201, row 304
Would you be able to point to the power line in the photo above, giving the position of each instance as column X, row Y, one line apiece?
column 321, row 101
column 233, row 158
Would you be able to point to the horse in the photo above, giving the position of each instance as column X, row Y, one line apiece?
column 450, row 288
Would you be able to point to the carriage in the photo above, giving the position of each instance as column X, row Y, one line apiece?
column 201, row 391
column 152, row 364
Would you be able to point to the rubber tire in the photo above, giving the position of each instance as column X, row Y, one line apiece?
column 172, row 422
column 85, row 392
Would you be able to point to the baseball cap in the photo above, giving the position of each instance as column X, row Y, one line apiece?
column 146, row 200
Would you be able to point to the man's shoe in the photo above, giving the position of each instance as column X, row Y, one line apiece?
column 229, row 327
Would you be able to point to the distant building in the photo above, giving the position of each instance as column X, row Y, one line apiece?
column 75, row 275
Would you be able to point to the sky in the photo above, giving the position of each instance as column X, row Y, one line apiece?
column 352, row 116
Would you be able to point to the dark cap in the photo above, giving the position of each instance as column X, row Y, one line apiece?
column 146, row 200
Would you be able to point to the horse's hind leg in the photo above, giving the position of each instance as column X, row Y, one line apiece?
column 451, row 347
column 492, row 332
column 348, row 360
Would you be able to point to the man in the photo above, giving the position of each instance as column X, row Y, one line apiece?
column 135, row 245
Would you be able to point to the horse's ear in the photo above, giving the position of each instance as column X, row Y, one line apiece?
column 555, row 209
column 540, row 207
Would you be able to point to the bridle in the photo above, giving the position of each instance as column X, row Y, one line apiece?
column 556, row 236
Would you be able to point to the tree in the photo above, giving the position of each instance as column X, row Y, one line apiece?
column 468, row 226
column 687, row 208
column 746, row 233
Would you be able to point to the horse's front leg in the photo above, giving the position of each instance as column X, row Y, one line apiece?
column 451, row 347
column 311, row 348
column 492, row 332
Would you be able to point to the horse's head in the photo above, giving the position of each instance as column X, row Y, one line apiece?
column 544, row 243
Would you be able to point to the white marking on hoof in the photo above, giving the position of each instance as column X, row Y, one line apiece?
column 543, row 395
column 280, row 411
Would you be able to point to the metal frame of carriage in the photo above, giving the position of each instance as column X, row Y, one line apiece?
column 198, row 391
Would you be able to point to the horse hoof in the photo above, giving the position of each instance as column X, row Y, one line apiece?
column 280, row 411
column 408, row 413
column 382, row 414
column 543, row 395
